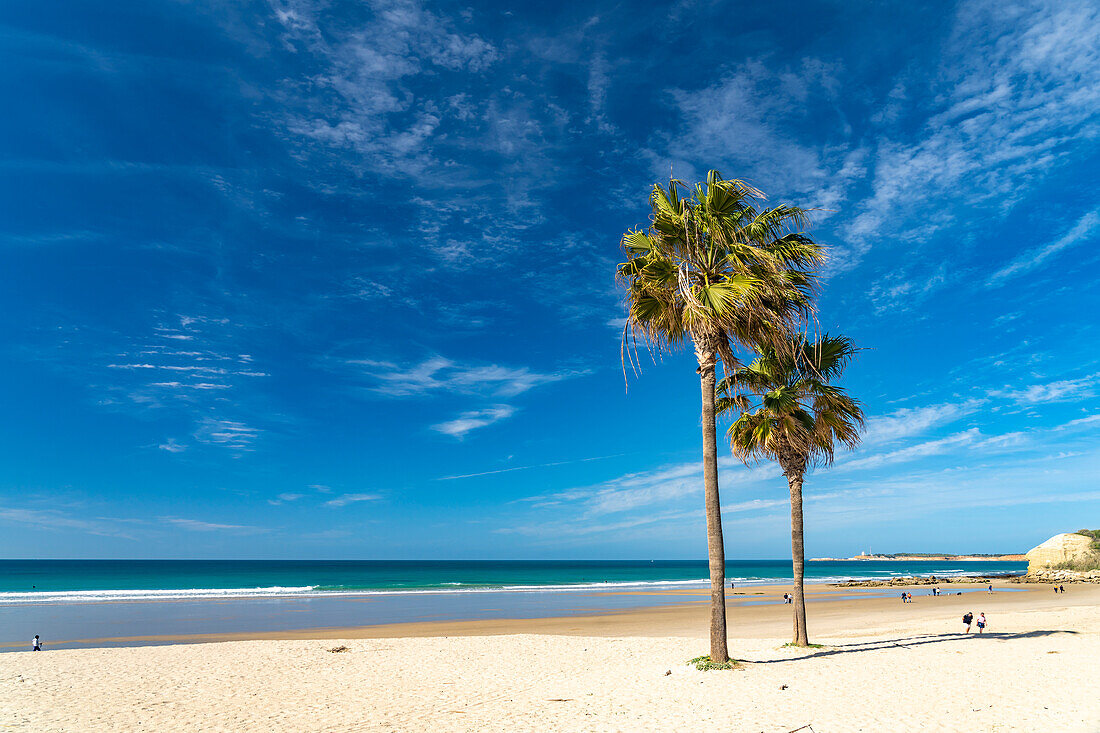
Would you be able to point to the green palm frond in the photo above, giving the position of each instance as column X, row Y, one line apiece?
column 717, row 267
column 788, row 409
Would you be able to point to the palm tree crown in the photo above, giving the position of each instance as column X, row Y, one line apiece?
column 717, row 267
column 790, row 413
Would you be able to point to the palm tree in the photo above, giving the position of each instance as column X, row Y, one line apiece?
column 717, row 268
column 791, row 414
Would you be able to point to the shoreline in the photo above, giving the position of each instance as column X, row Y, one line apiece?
column 1032, row 670
column 757, row 611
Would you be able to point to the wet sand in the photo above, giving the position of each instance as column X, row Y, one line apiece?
column 753, row 612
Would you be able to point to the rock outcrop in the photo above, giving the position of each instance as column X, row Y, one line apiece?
column 1071, row 551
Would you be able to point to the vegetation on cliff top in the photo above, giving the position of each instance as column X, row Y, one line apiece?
column 1094, row 534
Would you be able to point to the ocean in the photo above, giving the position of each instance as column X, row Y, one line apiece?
column 66, row 581
column 74, row 603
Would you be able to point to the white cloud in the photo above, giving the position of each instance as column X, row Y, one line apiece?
column 1086, row 229
column 913, row 452
column 1081, row 422
column 195, row 525
column 438, row 373
column 1057, row 391
column 909, row 421
column 572, row 528
column 474, row 419
column 358, row 101
column 284, row 498
column 202, row 380
column 647, row 488
column 1016, row 86
column 745, row 123
column 346, row 499
column 227, row 433
column 525, row 468
column 57, row 520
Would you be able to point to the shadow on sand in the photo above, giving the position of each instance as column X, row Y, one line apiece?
column 905, row 643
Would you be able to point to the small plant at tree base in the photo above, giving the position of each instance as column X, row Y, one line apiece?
column 704, row 664
column 803, row 646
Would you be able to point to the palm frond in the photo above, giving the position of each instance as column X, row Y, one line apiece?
column 790, row 411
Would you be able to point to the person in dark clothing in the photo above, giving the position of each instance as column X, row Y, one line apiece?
column 968, row 618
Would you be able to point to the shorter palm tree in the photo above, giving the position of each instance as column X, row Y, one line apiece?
column 791, row 414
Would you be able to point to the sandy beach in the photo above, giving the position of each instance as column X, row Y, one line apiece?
column 884, row 666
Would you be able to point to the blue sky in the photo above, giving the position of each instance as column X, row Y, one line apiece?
column 322, row 278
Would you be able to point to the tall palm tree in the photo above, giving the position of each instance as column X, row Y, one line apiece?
column 792, row 414
column 717, row 268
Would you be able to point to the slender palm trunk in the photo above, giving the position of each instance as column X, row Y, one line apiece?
column 798, row 559
column 705, row 354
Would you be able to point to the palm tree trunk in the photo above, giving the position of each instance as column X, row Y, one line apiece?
column 706, row 355
column 798, row 559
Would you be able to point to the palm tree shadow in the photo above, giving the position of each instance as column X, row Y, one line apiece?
column 907, row 642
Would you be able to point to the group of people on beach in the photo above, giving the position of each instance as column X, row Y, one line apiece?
column 968, row 618
column 1059, row 589
column 788, row 598
column 906, row 597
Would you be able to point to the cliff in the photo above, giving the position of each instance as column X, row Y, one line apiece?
column 1064, row 552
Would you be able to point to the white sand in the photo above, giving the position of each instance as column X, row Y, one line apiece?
column 1032, row 671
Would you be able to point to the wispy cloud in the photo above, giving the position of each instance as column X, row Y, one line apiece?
column 437, row 373
column 748, row 120
column 284, row 498
column 346, row 499
column 910, row 421
column 525, row 468
column 190, row 366
column 912, row 452
column 1086, row 229
column 474, row 419
column 1082, row 422
column 58, row 520
column 228, row 433
column 196, row 525
column 357, row 102
column 1016, row 86
column 634, row 491
column 1060, row 390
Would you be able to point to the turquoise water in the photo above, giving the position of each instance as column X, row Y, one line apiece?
column 82, row 603
column 67, row 581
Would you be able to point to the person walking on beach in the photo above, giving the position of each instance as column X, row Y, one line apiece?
column 981, row 622
column 968, row 618
column 36, row 644
column 990, row 587
column 1061, row 589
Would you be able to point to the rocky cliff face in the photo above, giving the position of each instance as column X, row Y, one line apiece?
column 1062, row 549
